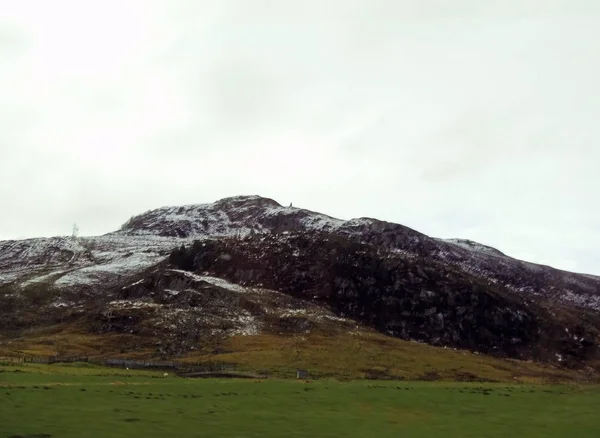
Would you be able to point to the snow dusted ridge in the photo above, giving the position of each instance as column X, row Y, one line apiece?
column 147, row 239
column 238, row 216
column 88, row 261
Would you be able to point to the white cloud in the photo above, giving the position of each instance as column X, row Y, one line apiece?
column 460, row 119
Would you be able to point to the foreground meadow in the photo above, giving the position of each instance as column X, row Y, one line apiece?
column 74, row 401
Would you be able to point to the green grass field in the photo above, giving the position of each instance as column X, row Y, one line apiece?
column 72, row 401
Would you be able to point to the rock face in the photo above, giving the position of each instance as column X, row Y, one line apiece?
column 257, row 266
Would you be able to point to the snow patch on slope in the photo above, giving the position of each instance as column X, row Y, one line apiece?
column 67, row 262
column 473, row 246
column 96, row 274
column 219, row 282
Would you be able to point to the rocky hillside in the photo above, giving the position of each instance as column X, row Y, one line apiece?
column 176, row 279
column 250, row 215
column 402, row 296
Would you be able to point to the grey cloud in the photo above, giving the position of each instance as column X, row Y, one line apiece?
column 12, row 41
column 242, row 93
column 460, row 119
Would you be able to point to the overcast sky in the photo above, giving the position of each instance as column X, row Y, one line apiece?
column 462, row 118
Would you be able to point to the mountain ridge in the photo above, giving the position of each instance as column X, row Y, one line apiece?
column 264, row 215
column 159, row 230
column 256, row 266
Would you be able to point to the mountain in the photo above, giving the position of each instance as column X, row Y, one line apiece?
column 180, row 279
column 247, row 215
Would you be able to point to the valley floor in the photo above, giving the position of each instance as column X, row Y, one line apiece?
column 73, row 401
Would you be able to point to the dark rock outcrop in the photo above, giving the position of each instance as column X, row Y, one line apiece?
column 406, row 297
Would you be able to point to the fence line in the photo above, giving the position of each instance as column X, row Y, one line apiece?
column 126, row 363
column 174, row 366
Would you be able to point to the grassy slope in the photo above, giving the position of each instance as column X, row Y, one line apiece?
column 374, row 354
column 61, row 401
column 343, row 355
